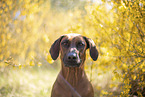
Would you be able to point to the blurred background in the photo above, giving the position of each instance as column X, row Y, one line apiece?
column 29, row 27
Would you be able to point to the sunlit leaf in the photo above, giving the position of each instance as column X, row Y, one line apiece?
column 49, row 59
column 32, row 63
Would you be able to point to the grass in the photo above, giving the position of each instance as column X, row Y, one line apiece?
column 27, row 82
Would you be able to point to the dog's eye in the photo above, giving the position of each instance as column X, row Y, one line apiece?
column 80, row 44
column 65, row 43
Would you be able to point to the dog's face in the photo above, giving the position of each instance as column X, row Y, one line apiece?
column 72, row 48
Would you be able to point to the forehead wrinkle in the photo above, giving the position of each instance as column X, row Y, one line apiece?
column 73, row 38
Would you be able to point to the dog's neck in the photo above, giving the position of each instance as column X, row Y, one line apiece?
column 73, row 75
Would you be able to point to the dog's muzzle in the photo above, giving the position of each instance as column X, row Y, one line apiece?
column 72, row 59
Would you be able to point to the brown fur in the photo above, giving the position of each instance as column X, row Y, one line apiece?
column 72, row 80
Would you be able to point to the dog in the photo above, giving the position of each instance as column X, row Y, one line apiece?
column 72, row 80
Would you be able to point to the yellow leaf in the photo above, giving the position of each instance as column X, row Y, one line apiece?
column 24, row 12
column 98, row 87
column 134, row 77
column 3, row 42
column 99, row 74
column 104, row 92
column 32, row 63
column 6, row 9
column 124, row 66
column 143, row 69
column 9, row 2
column 49, row 59
column 3, row 5
column 8, row 36
column 45, row 38
column 1, row 57
column 1, row 11
column 114, row 78
column 20, row 66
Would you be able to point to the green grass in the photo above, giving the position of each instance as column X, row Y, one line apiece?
column 26, row 82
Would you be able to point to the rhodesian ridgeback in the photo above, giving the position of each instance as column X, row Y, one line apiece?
column 72, row 80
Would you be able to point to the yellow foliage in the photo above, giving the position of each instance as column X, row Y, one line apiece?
column 49, row 59
column 29, row 27
column 104, row 92
column 32, row 63
column 45, row 38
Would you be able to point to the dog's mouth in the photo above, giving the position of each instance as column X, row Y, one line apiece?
column 72, row 63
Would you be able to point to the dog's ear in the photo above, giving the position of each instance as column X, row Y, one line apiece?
column 93, row 50
column 55, row 47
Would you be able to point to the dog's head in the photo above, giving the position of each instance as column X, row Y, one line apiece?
column 72, row 48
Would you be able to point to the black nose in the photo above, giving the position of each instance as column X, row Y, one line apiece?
column 72, row 56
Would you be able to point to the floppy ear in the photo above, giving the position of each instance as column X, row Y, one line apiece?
column 55, row 47
column 93, row 50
